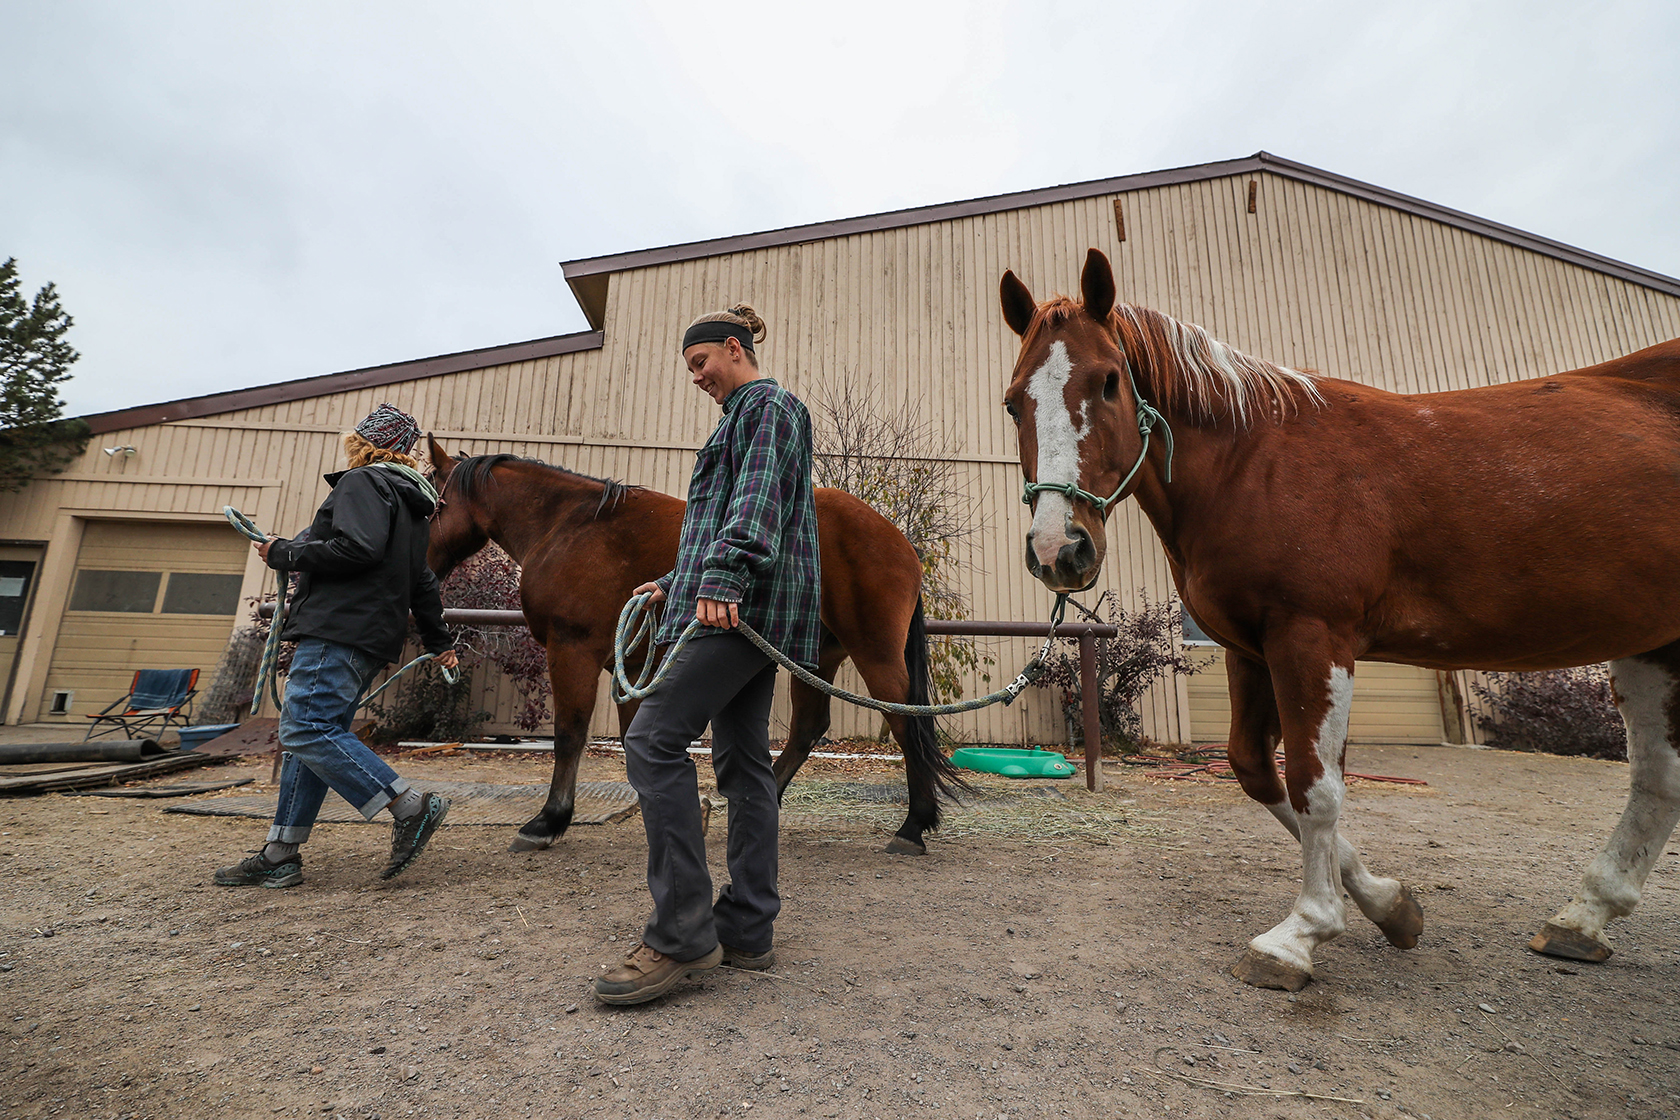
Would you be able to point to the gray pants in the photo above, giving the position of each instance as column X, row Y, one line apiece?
column 721, row 679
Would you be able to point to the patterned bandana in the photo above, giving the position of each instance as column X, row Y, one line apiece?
column 389, row 427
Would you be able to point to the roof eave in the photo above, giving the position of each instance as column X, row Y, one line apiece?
column 593, row 297
column 283, row 392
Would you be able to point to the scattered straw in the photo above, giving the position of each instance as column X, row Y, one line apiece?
column 998, row 809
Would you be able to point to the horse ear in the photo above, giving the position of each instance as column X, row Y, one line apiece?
column 1019, row 307
column 1096, row 285
column 442, row 464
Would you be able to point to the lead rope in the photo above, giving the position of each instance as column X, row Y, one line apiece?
column 637, row 616
column 271, row 649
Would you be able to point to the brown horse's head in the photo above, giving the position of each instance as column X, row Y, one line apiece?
column 456, row 531
column 1072, row 400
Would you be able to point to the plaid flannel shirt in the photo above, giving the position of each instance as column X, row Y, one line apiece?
column 749, row 535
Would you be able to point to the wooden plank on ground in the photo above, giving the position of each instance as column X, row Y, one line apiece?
column 105, row 775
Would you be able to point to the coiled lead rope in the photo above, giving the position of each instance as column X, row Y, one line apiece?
column 635, row 625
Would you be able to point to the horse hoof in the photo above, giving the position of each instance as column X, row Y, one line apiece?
column 524, row 843
column 899, row 846
column 1570, row 944
column 1261, row 971
column 1404, row 922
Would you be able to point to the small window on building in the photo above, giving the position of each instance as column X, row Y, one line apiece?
column 1193, row 635
column 15, row 576
column 201, row 593
column 129, row 592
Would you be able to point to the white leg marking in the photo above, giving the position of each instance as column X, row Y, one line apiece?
column 1375, row 895
column 1318, row 915
column 1611, row 886
column 1058, row 451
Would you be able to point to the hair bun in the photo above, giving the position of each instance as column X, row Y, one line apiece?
column 750, row 320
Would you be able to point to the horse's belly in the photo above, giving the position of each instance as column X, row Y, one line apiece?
column 1536, row 632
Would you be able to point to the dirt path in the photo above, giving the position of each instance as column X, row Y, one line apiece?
column 992, row 978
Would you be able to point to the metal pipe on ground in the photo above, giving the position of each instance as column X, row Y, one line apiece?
column 115, row 750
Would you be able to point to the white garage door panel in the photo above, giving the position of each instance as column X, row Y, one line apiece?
column 1391, row 704
column 97, row 652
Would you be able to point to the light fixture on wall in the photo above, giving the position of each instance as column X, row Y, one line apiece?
column 124, row 450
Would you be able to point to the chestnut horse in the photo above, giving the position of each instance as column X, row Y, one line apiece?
column 584, row 543
column 1310, row 522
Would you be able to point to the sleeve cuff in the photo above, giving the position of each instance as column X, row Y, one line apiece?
column 280, row 556
column 720, row 586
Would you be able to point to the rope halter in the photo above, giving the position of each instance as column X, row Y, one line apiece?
column 1148, row 419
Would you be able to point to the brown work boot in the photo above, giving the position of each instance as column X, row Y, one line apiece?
column 752, row 962
column 646, row 974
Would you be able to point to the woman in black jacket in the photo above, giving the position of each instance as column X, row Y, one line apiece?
column 362, row 569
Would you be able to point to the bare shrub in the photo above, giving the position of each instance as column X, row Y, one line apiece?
column 1146, row 650
column 1559, row 711
column 897, row 460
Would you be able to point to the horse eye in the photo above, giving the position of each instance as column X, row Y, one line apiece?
column 1009, row 407
column 1111, row 386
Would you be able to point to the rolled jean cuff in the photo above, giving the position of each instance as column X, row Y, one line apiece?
column 387, row 794
column 289, row 833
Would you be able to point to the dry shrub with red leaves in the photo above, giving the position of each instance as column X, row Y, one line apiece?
column 1560, row 711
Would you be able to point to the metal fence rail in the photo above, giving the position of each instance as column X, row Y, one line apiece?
column 1086, row 633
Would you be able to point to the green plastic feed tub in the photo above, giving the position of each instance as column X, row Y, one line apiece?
column 1013, row 763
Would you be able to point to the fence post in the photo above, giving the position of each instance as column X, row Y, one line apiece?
column 1089, row 709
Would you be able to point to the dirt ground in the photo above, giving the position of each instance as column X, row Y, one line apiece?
column 994, row 978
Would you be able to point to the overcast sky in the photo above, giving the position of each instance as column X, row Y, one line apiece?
column 229, row 194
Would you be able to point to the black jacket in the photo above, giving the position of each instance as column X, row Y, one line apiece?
column 363, row 567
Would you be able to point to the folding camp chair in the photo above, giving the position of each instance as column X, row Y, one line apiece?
column 157, row 699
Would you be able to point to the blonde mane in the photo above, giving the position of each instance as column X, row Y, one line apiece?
column 1188, row 372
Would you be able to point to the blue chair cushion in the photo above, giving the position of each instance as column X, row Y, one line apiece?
column 160, row 688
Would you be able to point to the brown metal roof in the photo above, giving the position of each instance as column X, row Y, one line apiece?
column 588, row 276
column 372, row 377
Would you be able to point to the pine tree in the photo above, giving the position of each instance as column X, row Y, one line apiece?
column 34, row 361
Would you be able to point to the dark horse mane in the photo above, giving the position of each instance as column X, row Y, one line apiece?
column 472, row 475
column 1188, row 371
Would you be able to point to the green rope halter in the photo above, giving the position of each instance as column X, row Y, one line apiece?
column 1148, row 419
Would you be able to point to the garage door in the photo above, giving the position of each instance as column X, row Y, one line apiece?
column 145, row 596
column 1391, row 704
column 17, row 580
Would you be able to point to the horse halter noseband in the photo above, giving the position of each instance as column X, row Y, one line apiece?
column 1148, row 419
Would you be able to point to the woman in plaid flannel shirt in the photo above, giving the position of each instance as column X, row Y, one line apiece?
column 748, row 551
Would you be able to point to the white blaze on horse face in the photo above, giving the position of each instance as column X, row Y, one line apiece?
column 1058, row 451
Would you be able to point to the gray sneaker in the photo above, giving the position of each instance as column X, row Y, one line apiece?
column 256, row 871
column 410, row 837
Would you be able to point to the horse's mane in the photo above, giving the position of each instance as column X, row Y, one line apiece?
column 1187, row 371
column 472, row 476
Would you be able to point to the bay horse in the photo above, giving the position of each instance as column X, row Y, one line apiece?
column 1310, row 522
column 584, row 543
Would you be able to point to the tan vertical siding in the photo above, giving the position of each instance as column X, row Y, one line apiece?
column 1314, row 279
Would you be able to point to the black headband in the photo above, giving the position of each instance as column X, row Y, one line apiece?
column 717, row 330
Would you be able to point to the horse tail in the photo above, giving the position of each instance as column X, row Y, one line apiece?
column 921, row 733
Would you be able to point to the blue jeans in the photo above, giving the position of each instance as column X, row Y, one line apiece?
column 325, row 685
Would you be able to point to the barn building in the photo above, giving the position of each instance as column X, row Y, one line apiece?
column 124, row 560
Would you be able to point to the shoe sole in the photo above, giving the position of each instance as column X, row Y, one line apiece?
column 270, row 882
column 420, row 848
column 643, row 995
column 750, row 962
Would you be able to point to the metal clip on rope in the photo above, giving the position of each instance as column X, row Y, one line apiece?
column 637, row 616
column 266, row 676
